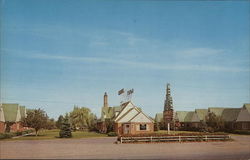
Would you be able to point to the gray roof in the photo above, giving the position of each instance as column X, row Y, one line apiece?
column 158, row 117
column 202, row 113
column 230, row 114
column 180, row 115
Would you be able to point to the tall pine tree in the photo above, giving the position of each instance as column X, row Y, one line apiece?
column 65, row 131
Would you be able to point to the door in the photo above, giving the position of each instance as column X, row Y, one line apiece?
column 126, row 128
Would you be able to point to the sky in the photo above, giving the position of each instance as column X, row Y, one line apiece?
column 59, row 53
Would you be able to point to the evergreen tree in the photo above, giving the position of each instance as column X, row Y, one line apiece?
column 65, row 131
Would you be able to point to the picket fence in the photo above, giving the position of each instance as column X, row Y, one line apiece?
column 197, row 138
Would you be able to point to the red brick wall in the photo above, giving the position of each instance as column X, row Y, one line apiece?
column 118, row 128
column 2, row 127
column 150, row 128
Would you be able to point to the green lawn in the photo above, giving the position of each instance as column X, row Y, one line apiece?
column 54, row 134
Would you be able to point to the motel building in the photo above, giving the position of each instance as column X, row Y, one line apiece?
column 131, row 120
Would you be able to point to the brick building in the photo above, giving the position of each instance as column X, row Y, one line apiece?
column 10, row 117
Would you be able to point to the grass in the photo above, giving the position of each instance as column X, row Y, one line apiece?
column 54, row 134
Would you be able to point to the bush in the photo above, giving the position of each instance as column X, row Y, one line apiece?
column 246, row 132
column 6, row 135
column 112, row 134
column 19, row 133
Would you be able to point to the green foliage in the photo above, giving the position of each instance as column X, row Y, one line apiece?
column 59, row 122
column 109, row 125
column 51, row 124
column 65, row 131
column 244, row 132
column 214, row 123
column 81, row 118
column 112, row 134
column 36, row 119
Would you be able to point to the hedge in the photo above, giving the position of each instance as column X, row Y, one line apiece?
column 13, row 134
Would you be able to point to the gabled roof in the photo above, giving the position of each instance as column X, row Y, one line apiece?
column 230, row 114
column 131, row 114
column 191, row 117
column 10, row 112
column 141, row 117
column 247, row 106
column 180, row 115
column 23, row 111
column 216, row 110
column 158, row 117
column 244, row 115
column 202, row 113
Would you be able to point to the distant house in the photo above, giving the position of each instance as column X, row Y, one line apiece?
column 131, row 120
column 10, row 117
column 243, row 119
column 229, row 116
column 180, row 118
column 107, row 114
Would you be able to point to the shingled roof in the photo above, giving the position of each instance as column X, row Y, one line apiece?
column 13, row 112
column 158, row 117
column 230, row 114
column 202, row 113
column 216, row 110
column 180, row 115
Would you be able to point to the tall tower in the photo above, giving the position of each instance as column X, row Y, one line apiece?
column 168, row 113
column 105, row 101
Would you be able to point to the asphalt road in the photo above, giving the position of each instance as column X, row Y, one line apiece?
column 104, row 148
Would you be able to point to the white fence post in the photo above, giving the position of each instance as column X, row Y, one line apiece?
column 206, row 137
column 179, row 138
column 121, row 139
column 151, row 138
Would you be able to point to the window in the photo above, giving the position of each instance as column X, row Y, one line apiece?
column 143, row 126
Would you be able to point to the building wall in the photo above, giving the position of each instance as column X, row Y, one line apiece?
column 134, row 128
column 243, row 125
column 2, row 127
column 16, row 127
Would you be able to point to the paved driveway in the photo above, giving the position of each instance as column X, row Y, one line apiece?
column 105, row 148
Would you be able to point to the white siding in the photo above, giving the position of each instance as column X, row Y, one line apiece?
column 129, row 106
column 18, row 116
column 128, row 116
column 141, row 118
column 2, row 119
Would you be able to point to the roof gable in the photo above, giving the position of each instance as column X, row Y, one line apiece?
column 244, row 115
column 180, row 115
column 2, row 119
column 247, row 106
column 216, row 110
column 125, row 107
column 189, row 117
column 159, row 117
column 141, row 117
column 201, row 113
column 132, row 112
column 230, row 114
column 10, row 112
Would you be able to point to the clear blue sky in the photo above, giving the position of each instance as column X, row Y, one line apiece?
column 55, row 54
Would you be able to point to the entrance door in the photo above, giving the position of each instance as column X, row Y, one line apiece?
column 126, row 129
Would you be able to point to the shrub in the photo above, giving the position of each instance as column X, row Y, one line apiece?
column 19, row 133
column 246, row 132
column 112, row 134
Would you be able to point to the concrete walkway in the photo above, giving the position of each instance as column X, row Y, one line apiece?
column 101, row 148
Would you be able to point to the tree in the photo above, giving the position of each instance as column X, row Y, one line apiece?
column 65, row 131
column 214, row 123
column 36, row 119
column 59, row 122
column 51, row 124
column 82, row 118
